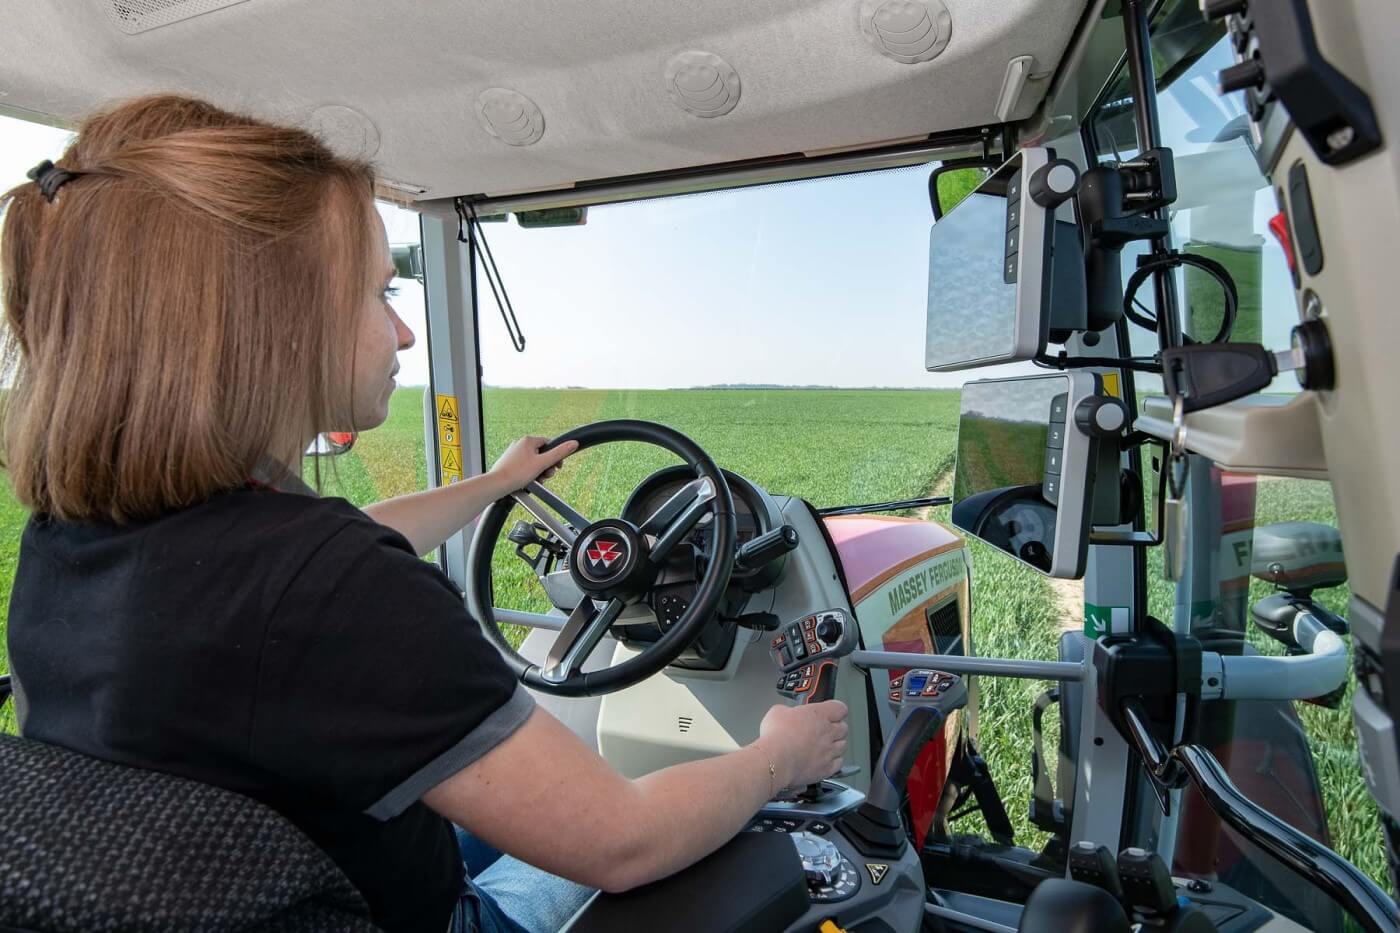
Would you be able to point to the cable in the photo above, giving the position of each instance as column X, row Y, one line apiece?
column 1164, row 261
column 466, row 218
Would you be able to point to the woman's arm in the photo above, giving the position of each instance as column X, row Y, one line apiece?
column 548, row 799
column 427, row 519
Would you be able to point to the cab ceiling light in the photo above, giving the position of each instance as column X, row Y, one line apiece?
column 133, row 16
column 510, row 116
column 348, row 132
column 909, row 31
column 702, row 83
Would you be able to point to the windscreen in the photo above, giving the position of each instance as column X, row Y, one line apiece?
column 1007, row 483
column 972, row 271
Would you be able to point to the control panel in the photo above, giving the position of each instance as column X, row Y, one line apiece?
column 831, row 875
column 806, row 652
column 839, row 877
column 925, row 687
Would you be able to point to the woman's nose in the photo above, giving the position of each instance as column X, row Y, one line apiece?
column 401, row 331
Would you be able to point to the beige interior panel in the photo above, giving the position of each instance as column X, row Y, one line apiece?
column 409, row 76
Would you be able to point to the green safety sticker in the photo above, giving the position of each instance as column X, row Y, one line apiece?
column 1105, row 620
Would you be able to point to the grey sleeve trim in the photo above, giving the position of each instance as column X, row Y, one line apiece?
column 493, row 730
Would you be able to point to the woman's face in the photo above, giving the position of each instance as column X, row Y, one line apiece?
column 380, row 334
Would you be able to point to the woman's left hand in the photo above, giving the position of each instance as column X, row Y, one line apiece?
column 522, row 463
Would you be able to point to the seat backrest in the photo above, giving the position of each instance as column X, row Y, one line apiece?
column 87, row 844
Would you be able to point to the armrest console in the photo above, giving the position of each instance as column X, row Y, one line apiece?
column 753, row 883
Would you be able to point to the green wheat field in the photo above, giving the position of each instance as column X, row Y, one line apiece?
column 832, row 447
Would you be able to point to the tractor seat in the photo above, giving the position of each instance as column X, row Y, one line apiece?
column 90, row 845
column 1298, row 556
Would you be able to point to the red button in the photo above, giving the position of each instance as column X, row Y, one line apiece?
column 1278, row 226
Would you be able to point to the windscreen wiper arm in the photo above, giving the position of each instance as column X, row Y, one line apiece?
column 896, row 506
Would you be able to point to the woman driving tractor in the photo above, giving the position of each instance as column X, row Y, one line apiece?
column 192, row 296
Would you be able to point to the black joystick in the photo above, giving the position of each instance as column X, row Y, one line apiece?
column 924, row 699
column 823, row 689
column 828, row 631
column 1146, row 881
column 1096, row 865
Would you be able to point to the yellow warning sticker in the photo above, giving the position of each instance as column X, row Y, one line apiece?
column 451, row 460
column 1110, row 385
column 449, row 435
column 449, row 439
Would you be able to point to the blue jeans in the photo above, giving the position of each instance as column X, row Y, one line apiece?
column 506, row 895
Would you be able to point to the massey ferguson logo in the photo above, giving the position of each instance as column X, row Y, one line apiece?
column 602, row 554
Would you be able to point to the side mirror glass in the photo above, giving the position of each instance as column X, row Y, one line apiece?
column 952, row 181
column 331, row 444
column 989, row 263
column 1025, row 471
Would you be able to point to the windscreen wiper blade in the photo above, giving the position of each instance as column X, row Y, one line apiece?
column 895, row 506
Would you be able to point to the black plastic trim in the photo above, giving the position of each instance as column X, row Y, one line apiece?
column 1305, row 235
column 1361, row 897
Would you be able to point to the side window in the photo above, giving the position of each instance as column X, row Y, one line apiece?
column 1262, row 548
column 389, row 460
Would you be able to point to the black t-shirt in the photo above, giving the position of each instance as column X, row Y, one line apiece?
column 283, row 646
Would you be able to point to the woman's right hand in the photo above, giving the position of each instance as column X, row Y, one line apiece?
column 807, row 743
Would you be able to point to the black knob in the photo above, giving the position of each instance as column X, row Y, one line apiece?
column 1218, row 9
column 1054, row 183
column 1101, row 416
column 1312, row 348
column 828, row 631
column 1243, row 76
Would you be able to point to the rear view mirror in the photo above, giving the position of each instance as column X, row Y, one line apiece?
column 331, row 444
column 408, row 260
column 990, row 266
column 553, row 217
column 1026, row 466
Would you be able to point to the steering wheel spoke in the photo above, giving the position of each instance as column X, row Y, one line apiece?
column 585, row 628
column 536, row 496
column 670, row 523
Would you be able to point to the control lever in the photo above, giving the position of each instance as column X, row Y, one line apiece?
column 1096, row 865
column 823, row 689
column 766, row 547
column 806, row 652
column 1146, row 882
column 924, row 699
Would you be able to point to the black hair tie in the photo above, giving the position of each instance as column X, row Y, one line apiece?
column 50, row 178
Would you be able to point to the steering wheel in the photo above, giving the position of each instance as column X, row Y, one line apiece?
column 613, row 563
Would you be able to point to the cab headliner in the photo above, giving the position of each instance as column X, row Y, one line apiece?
column 400, row 82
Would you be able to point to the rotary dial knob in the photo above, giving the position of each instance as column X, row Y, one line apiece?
column 821, row 860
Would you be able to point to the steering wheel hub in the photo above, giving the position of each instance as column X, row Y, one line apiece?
column 611, row 559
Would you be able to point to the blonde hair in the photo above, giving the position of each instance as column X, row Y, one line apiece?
column 182, row 309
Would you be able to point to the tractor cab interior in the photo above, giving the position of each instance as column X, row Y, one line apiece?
column 1127, row 655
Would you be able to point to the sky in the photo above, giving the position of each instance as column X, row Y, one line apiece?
column 820, row 282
